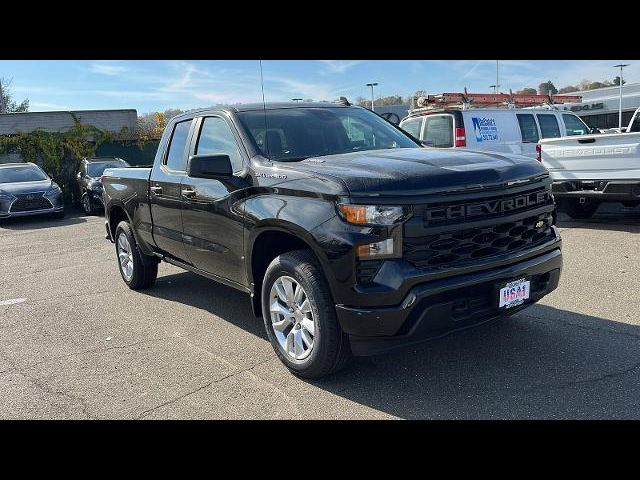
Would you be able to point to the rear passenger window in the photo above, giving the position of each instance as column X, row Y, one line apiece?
column 574, row 125
column 176, row 158
column 549, row 127
column 216, row 138
column 528, row 128
column 438, row 131
column 412, row 127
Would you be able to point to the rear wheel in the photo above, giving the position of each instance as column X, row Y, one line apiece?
column 138, row 271
column 300, row 316
column 580, row 211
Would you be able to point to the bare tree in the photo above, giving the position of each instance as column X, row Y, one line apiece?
column 7, row 104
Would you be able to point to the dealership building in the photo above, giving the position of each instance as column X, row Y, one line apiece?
column 600, row 107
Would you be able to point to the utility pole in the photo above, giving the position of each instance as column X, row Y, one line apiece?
column 2, row 107
column 372, row 85
column 495, row 88
column 620, row 66
column 497, row 76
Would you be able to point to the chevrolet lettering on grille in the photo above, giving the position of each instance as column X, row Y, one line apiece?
column 488, row 208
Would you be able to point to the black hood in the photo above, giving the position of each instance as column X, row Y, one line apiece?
column 415, row 171
column 26, row 187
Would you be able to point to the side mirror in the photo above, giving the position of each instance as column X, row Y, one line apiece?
column 209, row 166
column 79, row 175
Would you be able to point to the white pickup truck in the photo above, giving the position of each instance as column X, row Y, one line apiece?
column 590, row 169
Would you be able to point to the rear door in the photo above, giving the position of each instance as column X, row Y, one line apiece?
column 165, row 195
column 413, row 126
column 439, row 130
column 213, row 235
column 529, row 133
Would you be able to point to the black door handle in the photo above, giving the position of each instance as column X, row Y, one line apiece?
column 587, row 140
column 188, row 192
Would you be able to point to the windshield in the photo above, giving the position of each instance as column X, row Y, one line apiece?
column 27, row 173
column 299, row 133
column 97, row 169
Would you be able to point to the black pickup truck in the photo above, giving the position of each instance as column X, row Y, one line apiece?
column 349, row 235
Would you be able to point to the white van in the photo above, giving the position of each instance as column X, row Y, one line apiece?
column 510, row 130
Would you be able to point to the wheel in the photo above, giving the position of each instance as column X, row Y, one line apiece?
column 138, row 270
column 87, row 208
column 59, row 214
column 300, row 317
column 580, row 211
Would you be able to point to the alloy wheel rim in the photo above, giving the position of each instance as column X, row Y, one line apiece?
column 86, row 204
column 292, row 318
column 125, row 257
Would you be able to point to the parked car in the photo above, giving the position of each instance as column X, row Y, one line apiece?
column 88, row 189
column 349, row 236
column 590, row 170
column 25, row 189
column 507, row 130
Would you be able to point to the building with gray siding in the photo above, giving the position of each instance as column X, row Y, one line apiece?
column 27, row 122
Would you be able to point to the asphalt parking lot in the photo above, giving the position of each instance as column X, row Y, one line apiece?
column 75, row 342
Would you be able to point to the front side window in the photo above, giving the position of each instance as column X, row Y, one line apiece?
column 528, row 128
column 176, row 158
column 635, row 127
column 27, row 173
column 216, row 138
column 412, row 126
column 549, row 127
column 574, row 125
column 438, row 131
column 291, row 134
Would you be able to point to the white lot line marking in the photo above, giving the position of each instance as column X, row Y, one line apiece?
column 12, row 301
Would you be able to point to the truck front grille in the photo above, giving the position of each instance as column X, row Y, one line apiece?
column 463, row 246
column 27, row 202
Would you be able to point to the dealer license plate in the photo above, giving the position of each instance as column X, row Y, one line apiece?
column 514, row 293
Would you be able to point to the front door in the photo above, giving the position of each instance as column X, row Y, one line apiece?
column 213, row 228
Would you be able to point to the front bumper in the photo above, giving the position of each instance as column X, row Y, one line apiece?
column 603, row 190
column 439, row 307
column 6, row 210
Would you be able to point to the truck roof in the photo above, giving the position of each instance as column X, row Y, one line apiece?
column 247, row 107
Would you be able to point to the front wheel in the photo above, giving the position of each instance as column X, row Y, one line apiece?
column 87, row 208
column 300, row 316
column 580, row 211
column 137, row 270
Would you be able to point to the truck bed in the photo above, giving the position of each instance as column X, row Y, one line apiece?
column 593, row 157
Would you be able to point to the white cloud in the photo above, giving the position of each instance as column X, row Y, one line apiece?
column 107, row 68
column 339, row 66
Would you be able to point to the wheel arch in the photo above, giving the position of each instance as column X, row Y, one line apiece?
column 265, row 244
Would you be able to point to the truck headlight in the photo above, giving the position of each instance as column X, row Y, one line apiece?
column 379, row 215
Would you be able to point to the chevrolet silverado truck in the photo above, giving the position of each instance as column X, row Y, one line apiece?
column 588, row 170
column 348, row 235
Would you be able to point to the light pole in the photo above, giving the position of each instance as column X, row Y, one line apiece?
column 372, row 85
column 620, row 66
column 497, row 80
column 495, row 88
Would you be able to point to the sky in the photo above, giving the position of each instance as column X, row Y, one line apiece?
column 157, row 85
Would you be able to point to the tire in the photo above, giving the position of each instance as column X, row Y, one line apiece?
column 87, row 208
column 330, row 346
column 580, row 211
column 144, row 269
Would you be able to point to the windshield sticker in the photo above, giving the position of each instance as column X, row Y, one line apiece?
column 485, row 129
